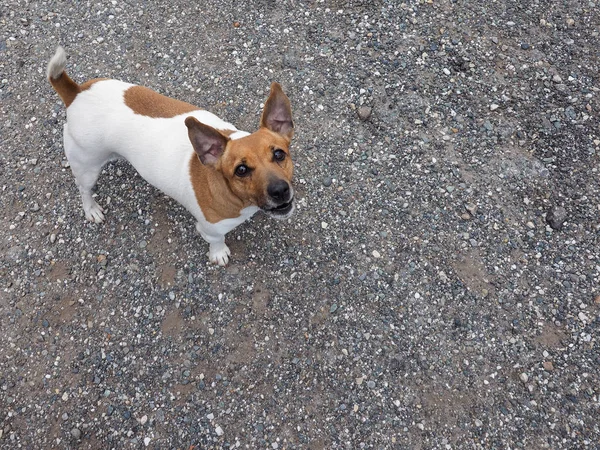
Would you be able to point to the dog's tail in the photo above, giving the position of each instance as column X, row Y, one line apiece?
column 60, row 81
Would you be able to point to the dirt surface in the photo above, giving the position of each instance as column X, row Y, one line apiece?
column 438, row 286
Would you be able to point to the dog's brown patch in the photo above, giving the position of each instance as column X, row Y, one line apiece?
column 147, row 102
column 67, row 89
column 221, row 194
column 216, row 200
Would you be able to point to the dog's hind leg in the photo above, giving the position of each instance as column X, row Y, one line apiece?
column 85, row 167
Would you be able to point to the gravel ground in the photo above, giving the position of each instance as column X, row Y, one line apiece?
column 438, row 286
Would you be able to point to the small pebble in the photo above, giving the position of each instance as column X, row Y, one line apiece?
column 525, row 46
column 364, row 112
column 524, row 377
column 219, row 430
column 494, row 107
column 327, row 181
column 471, row 208
column 548, row 366
column 556, row 217
column 76, row 433
column 583, row 317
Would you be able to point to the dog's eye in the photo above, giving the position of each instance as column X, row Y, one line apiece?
column 242, row 170
column 279, row 155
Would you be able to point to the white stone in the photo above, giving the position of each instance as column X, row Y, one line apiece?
column 524, row 377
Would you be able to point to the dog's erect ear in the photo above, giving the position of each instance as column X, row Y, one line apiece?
column 277, row 113
column 208, row 143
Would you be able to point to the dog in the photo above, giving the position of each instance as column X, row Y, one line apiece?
column 220, row 174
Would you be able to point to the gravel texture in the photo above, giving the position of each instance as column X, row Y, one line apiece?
column 438, row 286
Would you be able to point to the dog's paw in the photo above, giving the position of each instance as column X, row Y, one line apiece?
column 219, row 254
column 94, row 213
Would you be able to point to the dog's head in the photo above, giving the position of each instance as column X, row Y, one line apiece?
column 257, row 168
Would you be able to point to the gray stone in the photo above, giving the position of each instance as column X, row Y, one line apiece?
column 556, row 217
column 364, row 112
column 570, row 113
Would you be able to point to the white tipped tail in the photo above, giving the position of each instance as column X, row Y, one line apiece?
column 57, row 64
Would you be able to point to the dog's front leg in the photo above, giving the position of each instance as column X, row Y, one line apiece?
column 218, row 251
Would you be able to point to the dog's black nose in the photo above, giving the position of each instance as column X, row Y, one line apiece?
column 279, row 190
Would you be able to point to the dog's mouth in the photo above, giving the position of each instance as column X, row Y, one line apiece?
column 281, row 211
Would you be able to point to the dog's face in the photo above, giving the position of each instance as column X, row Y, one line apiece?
column 257, row 168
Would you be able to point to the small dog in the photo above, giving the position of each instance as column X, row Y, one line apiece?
column 220, row 174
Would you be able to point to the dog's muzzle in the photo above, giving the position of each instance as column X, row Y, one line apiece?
column 280, row 202
column 282, row 211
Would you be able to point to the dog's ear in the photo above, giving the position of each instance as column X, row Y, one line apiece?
column 277, row 113
column 208, row 143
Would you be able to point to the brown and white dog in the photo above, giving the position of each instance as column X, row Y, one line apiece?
column 220, row 174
